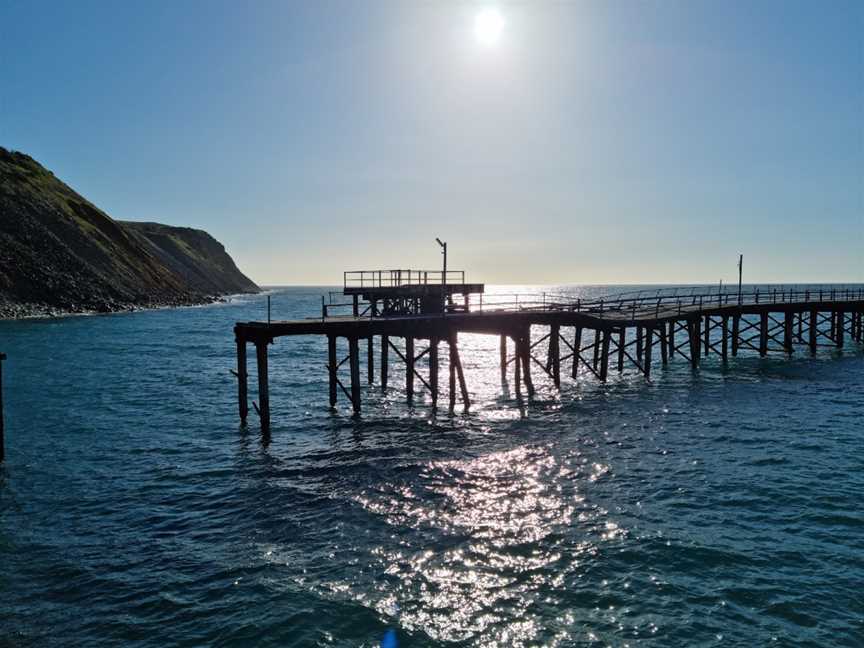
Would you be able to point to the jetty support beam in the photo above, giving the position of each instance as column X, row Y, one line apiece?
column 263, row 384
column 385, row 350
column 354, row 360
column 332, row 368
column 242, row 379
column 409, row 369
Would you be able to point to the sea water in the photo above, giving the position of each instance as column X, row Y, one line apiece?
column 722, row 507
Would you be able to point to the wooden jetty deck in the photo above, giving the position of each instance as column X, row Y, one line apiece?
column 626, row 330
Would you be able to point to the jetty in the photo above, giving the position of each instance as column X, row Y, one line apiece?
column 553, row 334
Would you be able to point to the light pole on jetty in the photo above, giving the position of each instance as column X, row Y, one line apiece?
column 443, row 245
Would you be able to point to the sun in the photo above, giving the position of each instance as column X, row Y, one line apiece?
column 488, row 25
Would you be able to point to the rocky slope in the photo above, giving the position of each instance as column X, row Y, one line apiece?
column 61, row 254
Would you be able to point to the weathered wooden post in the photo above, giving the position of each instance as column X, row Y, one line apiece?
column 841, row 327
column 577, row 348
column 370, row 358
column 707, row 333
column 724, row 347
column 693, row 336
column 649, row 343
column 604, row 361
column 736, row 328
column 2, row 429
column 788, row 331
column 263, row 384
column 433, row 370
column 517, row 366
column 555, row 354
column 639, row 338
column 354, row 360
column 503, row 353
column 526, row 361
column 385, row 361
column 452, row 369
column 596, row 358
column 409, row 369
column 672, row 339
column 332, row 367
column 622, row 342
column 813, row 330
column 763, row 334
column 697, row 338
column 664, row 345
column 242, row 378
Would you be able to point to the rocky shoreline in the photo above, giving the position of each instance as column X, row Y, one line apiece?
column 33, row 310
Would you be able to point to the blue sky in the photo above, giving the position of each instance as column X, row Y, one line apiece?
column 594, row 142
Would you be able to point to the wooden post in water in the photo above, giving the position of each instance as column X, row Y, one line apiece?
column 517, row 366
column 263, row 384
column 813, row 330
column 526, row 362
column 664, row 345
column 332, row 367
column 788, row 331
column 577, row 348
column 452, row 370
column 693, row 335
column 433, row 370
column 354, row 360
column 707, row 333
column 763, row 334
column 457, row 362
column 503, row 353
column 736, row 327
column 555, row 354
column 649, row 343
column 841, row 316
column 596, row 359
column 724, row 347
column 385, row 361
column 2, row 429
column 639, row 342
column 604, row 359
column 409, row 369
column 242, row 379
column 672, row 339
column 622, row 342
column 801, row 327
column 370, row 358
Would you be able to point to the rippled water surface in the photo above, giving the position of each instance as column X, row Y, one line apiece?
column 719, row 508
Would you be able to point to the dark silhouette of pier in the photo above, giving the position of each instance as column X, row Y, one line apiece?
column 626, row 330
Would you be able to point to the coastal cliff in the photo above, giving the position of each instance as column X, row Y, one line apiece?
column 59, row 253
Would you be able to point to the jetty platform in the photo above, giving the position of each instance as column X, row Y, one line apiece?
column 555, row 336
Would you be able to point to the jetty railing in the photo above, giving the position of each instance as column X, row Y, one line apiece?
column 400, row 277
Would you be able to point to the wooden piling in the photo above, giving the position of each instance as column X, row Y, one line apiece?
column 813, row 330
column 763, row 334
column 517, row 366
column 672, row 339
column 622, row 343
column 242, row 380
column 577, row 349
column 332, row 367
column 409, row 369
column 263, row 385
column 649, row 343
column 555, row 354
column 801, row 327
column 841, row 328
column 693, row 338
column 736, row 328
column 596, row 359
column 526, row 362
column 452, row 370
column 697, row 339
column 503, row 353
column 639, row 333
column 433, row 370
column 707, row 334
column 724, row 343
column 788, row 331
column 370, row 358
column 354, row 360
column 460, row 374
column 604, row 359
column 385, row 361
column 664, row 345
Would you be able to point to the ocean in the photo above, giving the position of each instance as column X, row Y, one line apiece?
column 717, row 508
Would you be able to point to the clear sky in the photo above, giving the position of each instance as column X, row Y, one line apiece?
column 589, row 142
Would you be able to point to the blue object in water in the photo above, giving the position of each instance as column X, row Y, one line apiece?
column 389, row 640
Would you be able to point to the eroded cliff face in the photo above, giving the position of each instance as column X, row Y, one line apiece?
column 59, row 253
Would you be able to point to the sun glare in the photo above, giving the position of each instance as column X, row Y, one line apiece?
column 488, row 25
